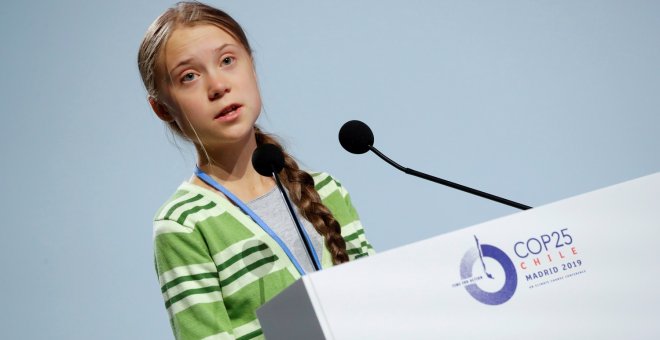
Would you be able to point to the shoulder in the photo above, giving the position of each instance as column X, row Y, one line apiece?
column 335, row 197
column 327, row 186
column 184, row 208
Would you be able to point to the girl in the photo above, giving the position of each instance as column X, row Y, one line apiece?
column 224, row 243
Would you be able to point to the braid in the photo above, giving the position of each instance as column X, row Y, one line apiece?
column 301, row 190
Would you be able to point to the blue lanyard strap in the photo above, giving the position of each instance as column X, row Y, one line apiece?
column 210, row 181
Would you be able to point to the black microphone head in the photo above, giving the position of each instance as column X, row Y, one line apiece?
column 356, row 137
column 267, row 158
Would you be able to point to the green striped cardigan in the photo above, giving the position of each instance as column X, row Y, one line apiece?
column 216, row 266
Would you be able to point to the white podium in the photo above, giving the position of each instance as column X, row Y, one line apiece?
column 587, row 267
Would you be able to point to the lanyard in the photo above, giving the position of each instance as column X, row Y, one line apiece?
column 237, row 201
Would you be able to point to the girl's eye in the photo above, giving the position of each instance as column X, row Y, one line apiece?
column 227, row 61
column 188, row 77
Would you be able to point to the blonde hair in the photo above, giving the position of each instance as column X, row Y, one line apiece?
column 298, row 182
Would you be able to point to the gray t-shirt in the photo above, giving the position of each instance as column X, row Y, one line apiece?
column 272, row 209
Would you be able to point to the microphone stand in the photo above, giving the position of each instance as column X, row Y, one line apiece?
column 292, row 212
column 449, row 183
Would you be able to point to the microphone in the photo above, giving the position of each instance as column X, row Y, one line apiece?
column 268, row 160
column 356, row 137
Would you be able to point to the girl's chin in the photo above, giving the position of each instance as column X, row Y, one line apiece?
column 231, row 139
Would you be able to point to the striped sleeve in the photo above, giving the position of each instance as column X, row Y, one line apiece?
column 189, row 283
column 356, row 242
column 338, row 200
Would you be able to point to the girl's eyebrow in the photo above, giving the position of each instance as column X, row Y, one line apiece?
column 188, row 60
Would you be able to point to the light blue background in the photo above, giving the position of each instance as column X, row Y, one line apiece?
column 532, row 100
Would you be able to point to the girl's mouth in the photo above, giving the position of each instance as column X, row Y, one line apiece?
column 229, row 112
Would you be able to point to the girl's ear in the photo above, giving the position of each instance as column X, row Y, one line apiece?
column 160, row 110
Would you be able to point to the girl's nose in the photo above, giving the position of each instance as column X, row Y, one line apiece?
column 218, row 86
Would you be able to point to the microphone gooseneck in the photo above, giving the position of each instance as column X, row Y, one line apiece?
column 356, row 137
column 268, row 160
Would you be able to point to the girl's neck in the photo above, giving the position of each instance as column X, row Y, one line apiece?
column 231, row 166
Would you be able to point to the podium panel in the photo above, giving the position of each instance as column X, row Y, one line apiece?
column 583, row 267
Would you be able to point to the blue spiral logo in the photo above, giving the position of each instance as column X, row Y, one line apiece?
column 510, row 281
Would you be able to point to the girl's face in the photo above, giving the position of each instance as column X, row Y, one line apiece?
column 209, row 82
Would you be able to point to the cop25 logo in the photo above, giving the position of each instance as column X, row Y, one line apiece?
column 477, row 285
